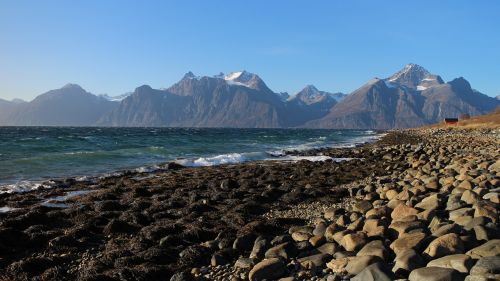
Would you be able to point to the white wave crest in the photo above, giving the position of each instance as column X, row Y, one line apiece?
column 21, row 186
column 231, row 158
column 317, row 158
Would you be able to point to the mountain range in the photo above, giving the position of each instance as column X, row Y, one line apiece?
column 409, row 98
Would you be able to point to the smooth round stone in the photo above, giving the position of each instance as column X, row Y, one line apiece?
column 447, row 244
column 353, row 241
column 374, row 272
column 460, row 262
column 434, row 274
column 488, row 249
column 267, row 269
column 374, row 248
column 319, row 229
column 406, row 261
column 402, row 211
column 487, row 266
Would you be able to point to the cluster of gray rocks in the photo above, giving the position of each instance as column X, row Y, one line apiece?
column 435, row 219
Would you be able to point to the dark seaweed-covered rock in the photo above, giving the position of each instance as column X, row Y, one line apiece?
column 181, row 276
column 228, row 184
column 11, row 237
column 117, row 226
column 29, row 267
column 108, row 205
column 158, row 254
column 194, row 255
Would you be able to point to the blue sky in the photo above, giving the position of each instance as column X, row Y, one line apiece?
column 115, row 46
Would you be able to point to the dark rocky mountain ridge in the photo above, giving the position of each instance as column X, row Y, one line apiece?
column 411, row 97
column 201, row 102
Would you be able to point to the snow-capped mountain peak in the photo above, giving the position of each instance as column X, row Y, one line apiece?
column 310, row 95
column 246, row 79
column 410, row 70
column 239, row 76
column 415, row 77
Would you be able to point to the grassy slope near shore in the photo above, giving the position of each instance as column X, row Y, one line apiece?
column 491, row 121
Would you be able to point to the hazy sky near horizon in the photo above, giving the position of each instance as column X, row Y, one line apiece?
column 115, row 46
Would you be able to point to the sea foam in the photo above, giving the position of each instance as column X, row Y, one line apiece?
column 20, row 187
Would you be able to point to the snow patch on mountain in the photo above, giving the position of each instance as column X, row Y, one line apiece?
column 241, row 76
column 116, row 98
column 231, row 82
column 429, row 79
column 389, row 84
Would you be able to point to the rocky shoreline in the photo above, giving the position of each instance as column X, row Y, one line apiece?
column 418, row 205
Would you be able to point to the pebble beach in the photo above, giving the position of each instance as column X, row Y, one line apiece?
column 419, row 204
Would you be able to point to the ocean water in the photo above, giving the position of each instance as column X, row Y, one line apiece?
column 31, row 155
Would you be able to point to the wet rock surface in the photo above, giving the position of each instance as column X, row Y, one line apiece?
column 415, row 198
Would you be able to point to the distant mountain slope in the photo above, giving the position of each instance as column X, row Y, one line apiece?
column 4, row 103
column 68, row 106
column 5, row 107
column 374, row 105
column 409, row 98
column 240, row 99
column 145, row 107
column 309, row 104
column 455, row 98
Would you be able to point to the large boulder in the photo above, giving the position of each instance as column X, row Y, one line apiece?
column 460, row 262
column 434, row 274
column 362, row 206
column 487, row 268
column 314, row 261
column 285, row 250
column 374, row 227
column 267, row 269
column 408, row 242
column 353, row 241
column 374, row 248
column 406, row 261
column 488, row 249
column 352, row 265
column 447, row 244
column 402, row 211
column 374, row 272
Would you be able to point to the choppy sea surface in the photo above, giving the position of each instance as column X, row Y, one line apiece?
column 32, row 155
